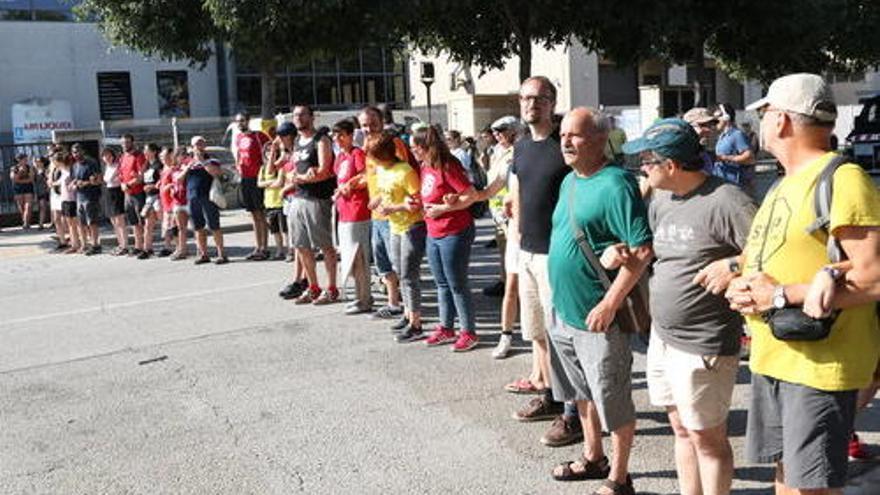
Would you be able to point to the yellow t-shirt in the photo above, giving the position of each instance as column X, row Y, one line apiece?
column 271, row 195
column 499, row 166
column 393, row 185
column 846, row 359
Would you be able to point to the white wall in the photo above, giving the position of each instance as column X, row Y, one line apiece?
column 61, row 59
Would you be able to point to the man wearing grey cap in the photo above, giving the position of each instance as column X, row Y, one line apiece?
column 700, row 225
column 805, row 372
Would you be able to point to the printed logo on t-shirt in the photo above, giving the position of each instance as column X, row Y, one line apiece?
column 244, row 142
column 676, row 237
column 428, row 182
column 769, row 232
column 344, row 167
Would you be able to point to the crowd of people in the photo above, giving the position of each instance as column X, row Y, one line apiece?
column 578, row 234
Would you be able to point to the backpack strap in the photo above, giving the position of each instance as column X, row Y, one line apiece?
column 822, row 207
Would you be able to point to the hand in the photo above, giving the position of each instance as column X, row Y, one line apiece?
column 614, row 256
column 412, row 203
column 124, row 187
column 751, row 295
column 450, row 199
column 508, row 207
column 435, row 210
column 310, row 174
column 817, row 302
column 601, row 317
column 715, row 277
column 374, row 203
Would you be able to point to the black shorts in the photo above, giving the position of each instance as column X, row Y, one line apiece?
column 251, row 195
column 204, row 212
column 115, row 201
column 22, row 189
column 134, row 204
column 89, row 212
column 277, row 221
column 68, row 209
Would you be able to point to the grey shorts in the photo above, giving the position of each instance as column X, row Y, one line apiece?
column 592, row 366
column 812, row 444
column 151, row 204
column 89, row 212
column 310, row 223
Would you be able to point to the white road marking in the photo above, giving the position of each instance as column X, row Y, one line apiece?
column 112, row 306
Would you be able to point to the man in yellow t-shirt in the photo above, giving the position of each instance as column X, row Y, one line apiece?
column 804, row 392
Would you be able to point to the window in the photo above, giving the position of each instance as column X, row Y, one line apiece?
column 327, row 91
column 302, row 90
column 618, row 85
column 172, row 87
column 375, row 89
column 247, row 90
column 114, row 95
column 352, row 93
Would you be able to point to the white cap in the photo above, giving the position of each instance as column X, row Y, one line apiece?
column 806, row 94
column 196, row 139
column 506, row 122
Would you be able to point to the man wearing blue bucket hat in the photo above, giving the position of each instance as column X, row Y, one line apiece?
column 700, row 225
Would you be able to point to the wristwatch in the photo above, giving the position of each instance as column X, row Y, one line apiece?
column 733, row 265
column 779, row 300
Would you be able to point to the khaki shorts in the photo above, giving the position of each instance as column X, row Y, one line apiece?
column 535, row 300
column 700, row 387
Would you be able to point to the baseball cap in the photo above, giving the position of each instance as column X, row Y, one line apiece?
column 698, row 115
column 286, row 129
column 672, row 138
column 803, row 93
column 505, row 123
column 196, row 139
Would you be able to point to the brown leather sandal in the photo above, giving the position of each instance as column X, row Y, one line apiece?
column 592, row 470
column 618, row 489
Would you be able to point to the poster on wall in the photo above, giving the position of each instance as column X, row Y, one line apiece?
column 173, row 90
column 33, row 120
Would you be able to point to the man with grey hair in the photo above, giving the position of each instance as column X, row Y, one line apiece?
column 591, row 361
column 806, row 374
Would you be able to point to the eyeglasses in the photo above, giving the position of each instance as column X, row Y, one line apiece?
column 535, row 99
column 651, row 163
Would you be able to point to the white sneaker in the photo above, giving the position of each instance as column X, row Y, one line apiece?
column 503, row 348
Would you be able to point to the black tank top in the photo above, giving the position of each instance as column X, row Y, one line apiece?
column 306, row 156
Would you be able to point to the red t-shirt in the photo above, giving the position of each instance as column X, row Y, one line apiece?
column 437, row 183
column 178, row 188
column 288, row 168
column 250, row 153
column 131, row 165
column 166, row 179
column 354, row 207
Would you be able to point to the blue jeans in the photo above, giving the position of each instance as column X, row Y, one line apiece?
column 381, row 240
column 449, row 258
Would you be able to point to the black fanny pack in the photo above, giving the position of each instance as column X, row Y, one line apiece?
column 794, row 324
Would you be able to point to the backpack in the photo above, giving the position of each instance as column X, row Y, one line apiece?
column 480, row 208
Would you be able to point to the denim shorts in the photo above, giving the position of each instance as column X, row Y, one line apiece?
column 381, row 240
column 203, row 211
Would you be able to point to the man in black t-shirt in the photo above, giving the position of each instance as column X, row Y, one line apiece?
column 536, row 174
column 87, row 182
column 312, row 206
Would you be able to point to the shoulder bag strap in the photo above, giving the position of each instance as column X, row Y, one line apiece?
column 581, row 238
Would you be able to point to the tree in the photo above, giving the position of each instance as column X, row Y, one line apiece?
column 485, row 33
column 264, row 33
column 750, row 39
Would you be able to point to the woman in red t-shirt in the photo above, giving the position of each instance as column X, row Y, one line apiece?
column 446, row 194
column 179, row 200
column 354, row 216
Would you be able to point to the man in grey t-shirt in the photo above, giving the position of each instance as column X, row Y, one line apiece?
column 700, row 227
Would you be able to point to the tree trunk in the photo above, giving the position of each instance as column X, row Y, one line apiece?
column 525, row 59
column 267, row 91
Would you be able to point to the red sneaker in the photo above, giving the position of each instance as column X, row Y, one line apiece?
column 440, row 336
column 466, row 341
column 856, row 449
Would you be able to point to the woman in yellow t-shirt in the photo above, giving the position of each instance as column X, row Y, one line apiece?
column 396, row 196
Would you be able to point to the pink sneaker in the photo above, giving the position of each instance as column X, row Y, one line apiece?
column 440, row 336
column 466, row 341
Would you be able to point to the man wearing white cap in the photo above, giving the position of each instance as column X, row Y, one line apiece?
column 805, row 372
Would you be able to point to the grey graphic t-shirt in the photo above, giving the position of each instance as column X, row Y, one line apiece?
column 710, row 223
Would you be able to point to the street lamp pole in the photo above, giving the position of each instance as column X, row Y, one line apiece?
column 427, row 78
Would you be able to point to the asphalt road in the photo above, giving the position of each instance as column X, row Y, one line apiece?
column 126, row 376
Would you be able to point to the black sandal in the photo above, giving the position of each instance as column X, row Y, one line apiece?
column 616, row 489
column 592, row 470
